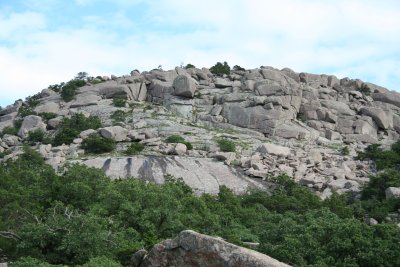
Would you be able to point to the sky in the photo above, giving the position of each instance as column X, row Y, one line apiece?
column 49, row 41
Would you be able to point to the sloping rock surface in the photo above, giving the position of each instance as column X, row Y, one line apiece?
column 203, row 175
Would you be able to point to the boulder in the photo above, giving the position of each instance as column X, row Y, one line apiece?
column 85, row 100
column 273, row 149
column 49, row 107
column 192, row 249
column 31, row 123
column 180, row 149
column 392, row 192
column 184, row 86
column 117, row 133
column 222, row 83
column 387, row 97
column 379, row 116
column 11, row 140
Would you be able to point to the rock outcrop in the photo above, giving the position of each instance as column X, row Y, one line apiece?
column 305, row 125
column 192, row 249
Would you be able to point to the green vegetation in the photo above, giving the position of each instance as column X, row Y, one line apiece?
column 134, row 149
column 119, row 116
column 36, row 136
column 178, row 139
column 46, row 116
column 97, row 144
column 43, row 213
column 364, row 88
column 119, row 102
column 69, row 89
column 70, row 128
column 11, row 130
column 238, row 68
column 188, row 66
column 226, row 145
column 221, row 69
column 345, row 150
column 26, row 110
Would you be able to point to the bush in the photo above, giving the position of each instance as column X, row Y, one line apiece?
column 226, row 145
column 134, row 149
column 119, row 102
column 69, row 89
column 24, row 111
column 97, row 144
column 46, row 116
column 36, row 136
column 345, row 151
column 221, row 69
column 9, row 130
column 364, row 88
column 70, row 128
column 188, row 66
column 179, row 139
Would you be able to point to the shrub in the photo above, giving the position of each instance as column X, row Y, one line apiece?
column 364, row 88
column 119, row 102
column 188, row 66
column 345, row 151
column 96, row 144
column 9, row 130
column 70, row 128
column 221, row 69
column 36, row 136
column 179, row 139
column 68, row 90
column 226, row 145
column 24, row 111
column 134, row 149
column 46, row 116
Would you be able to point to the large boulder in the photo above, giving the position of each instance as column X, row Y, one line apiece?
column 31, row 123
column 380, row 117
column 117, row 133
column 48, row 107
column 192, row 249
column 184, row 86
column 273, row 149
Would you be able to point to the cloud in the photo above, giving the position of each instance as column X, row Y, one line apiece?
column 347, row 38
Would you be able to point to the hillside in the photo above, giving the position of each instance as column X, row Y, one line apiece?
column 268, row 159
column 317, row 122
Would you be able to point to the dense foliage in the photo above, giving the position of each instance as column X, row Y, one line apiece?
column 68, row 90
column 81, row 217
column 220, row 69
column 70, row 128
column 226, row 145
column 96, row 144
column 119, row 102
column 134, row 149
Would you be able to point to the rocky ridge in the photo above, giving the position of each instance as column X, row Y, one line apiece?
column 305, row 125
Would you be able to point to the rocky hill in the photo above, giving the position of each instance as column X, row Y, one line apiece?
column 211, row 130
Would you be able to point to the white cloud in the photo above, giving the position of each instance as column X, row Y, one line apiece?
column 347, row 38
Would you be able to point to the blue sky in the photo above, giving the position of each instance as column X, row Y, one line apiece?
column 46, row 42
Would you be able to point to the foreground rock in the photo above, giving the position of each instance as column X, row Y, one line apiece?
column 193, row 249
